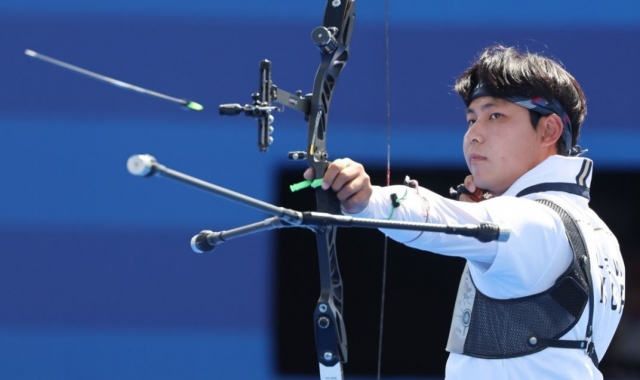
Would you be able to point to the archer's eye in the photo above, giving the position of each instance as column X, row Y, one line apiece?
column 496, row 115
column 470, row 123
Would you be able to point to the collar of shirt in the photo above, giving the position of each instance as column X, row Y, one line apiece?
column 554, row 172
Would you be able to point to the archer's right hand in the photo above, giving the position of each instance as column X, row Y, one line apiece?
column 473, row 194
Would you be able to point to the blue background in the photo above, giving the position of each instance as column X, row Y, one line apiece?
column 96, row 276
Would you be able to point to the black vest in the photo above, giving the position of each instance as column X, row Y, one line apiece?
column 490, row 328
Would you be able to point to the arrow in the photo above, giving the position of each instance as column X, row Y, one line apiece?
column 184, row 102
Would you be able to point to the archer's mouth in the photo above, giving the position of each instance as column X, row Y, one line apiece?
column 476, row 158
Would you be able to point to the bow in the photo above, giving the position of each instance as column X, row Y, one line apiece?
column 332, row 39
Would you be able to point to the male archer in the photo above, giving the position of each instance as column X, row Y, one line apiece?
column 546, row 303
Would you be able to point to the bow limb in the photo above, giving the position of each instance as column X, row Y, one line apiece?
column 333, row 40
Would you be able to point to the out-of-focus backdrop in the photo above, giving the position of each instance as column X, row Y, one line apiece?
column 97, row 280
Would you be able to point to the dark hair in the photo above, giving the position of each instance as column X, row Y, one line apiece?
column 505, row 71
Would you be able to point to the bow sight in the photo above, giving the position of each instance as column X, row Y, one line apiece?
column 325, row 40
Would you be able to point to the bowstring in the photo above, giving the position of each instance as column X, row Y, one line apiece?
column 386, row 239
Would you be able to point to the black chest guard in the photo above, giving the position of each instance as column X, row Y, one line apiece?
column 490, row 328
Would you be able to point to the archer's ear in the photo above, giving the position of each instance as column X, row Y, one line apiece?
column 551, row 129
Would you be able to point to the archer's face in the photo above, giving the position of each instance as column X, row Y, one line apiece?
column 500, row 144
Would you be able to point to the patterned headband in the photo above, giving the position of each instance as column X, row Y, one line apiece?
column 541, row 106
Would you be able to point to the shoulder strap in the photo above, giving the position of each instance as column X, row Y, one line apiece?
column 576, row 241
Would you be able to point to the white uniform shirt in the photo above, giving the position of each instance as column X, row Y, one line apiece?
column 533, row 258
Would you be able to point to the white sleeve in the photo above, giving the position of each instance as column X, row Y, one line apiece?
column 423, row 205
column 537, row 245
